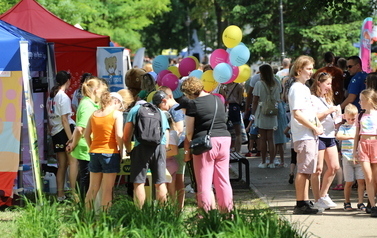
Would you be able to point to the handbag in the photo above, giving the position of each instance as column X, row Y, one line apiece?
column 203, row 144
column 270, row 106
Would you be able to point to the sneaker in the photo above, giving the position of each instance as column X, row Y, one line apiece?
column 306, row 209
column 248, row 154
column 291, row 178
column 361, row 207
column 271, row 166
column 369, row 208
column 373, row 212
column 365, row 194
column 327, row 200
column 320, row 204
column 277, row 161
column 262, row 166
column 61, row 199
column 258, row 153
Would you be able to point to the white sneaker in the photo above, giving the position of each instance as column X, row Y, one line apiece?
column 319, row 206
column 262, row 166
column 277, row 161
column 327, row 200
column 271, row 166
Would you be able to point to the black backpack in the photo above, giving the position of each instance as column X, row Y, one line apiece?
column 148, row 126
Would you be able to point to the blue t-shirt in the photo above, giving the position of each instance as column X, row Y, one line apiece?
column 177, row 116
column 131, row 117
column 356, row 85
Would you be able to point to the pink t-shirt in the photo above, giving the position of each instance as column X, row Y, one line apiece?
column 368, row 123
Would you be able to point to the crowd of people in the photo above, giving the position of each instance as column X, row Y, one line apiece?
column 294, row 104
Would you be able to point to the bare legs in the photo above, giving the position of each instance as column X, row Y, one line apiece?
column 267, row 139
column 106, row 180
column 64, row 159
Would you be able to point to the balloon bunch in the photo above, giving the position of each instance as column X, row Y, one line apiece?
column 230, row 65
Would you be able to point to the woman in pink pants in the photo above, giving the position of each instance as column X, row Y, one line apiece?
column 211, row 167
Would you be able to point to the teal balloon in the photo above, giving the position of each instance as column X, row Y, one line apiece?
column 196, row 73
column 222, row 72
column 178, row 93
column 239, row 55
column 160, row 63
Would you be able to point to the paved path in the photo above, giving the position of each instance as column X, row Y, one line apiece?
column 272, row 185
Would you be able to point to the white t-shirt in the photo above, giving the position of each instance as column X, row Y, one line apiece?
column 254, row 80
column 173, row 137
column 282, row 73
column 57, row 107
column 328, row 122
column 299, row 98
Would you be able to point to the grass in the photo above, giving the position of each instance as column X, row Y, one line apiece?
column 54, row 219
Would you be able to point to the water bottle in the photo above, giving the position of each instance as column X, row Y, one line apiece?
column 49, row 183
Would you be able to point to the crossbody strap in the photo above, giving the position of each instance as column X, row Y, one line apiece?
column 214, row 116
column 326, row 106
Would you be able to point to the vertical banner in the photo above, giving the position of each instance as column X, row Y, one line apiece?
column 32, row 131
column 365, row 44
column 111, row 66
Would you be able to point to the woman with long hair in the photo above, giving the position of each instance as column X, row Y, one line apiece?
column 322, row 97
column 266, row 123
column 59, row 113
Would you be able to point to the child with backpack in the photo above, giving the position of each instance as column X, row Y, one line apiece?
column 151, row 129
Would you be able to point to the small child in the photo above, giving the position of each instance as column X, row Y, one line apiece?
column 252, row 130
column 171, row 161
column 351, row 168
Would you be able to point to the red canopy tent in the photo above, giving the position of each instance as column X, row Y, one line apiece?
column 75, row 49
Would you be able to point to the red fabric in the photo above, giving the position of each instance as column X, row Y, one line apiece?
column 75, row 49
column 7, row 182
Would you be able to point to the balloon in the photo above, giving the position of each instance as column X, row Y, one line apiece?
column 161, row 75
column 209, row 82
column 160, row 63
column 220, row 96
column 244, row 74
column 178, row 93
column 239, row 55
column 150, row 96
column 222, row 72
column 170, row 81
column 196, row 73
column 174, row 70
column 218, row 56
column 235, row 71
column 186, row 66
column 196, row 61
column 232, row 36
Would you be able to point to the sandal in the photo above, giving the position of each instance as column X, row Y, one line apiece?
column 361, row 207
column 348, row 207
column 338, row 187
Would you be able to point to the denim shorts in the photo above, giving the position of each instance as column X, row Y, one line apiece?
column 104, row 163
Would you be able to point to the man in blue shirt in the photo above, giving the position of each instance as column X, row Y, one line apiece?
column 357, row 83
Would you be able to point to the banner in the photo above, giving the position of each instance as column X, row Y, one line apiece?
column 112, row 66
column 32, row 131
column 365, row 44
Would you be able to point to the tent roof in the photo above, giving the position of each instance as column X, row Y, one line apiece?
column 10, row 55
column 32, row 17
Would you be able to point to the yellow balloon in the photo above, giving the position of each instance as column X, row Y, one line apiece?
column 150, row 96
column 196, row 61
column 209, row 82
column 232, row 36
column 174, row 70
column 244, row 73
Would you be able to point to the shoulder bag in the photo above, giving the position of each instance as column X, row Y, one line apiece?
column 270, row 106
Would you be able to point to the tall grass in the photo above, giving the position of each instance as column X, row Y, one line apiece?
column 124, row 219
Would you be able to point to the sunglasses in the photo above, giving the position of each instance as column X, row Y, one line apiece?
column 350, row 66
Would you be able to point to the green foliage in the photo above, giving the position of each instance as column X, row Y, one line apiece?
column 124, row 219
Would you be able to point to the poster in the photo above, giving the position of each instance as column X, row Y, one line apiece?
column 112, row 66
column 365, row 44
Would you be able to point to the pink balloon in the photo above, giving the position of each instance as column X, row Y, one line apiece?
column 186, row 66
column 236, row 71
column 220, row 96
column 171, row 81
column 161, row 75
column 218, row 56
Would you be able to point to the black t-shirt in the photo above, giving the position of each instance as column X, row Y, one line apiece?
column 203, row 109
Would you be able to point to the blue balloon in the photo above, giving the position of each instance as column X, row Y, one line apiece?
column 222, row 72
column 239, row 55
column 178, row 93
column 196, row 73
column 160, row 63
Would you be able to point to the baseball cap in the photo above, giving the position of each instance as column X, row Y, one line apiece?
column 158, row 96
column 117, row 96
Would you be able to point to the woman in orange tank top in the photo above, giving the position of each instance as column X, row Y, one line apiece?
column 104, row 137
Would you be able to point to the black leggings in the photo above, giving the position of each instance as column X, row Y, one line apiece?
column 83, row 177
